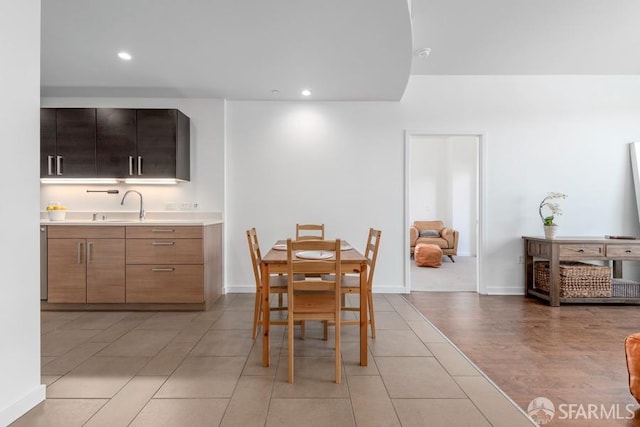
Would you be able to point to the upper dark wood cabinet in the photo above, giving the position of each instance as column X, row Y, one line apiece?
column 72, row 153
column 163, row 144
column 47, row 142
column 114, row 143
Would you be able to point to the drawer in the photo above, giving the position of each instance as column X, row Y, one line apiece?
column 581, row 251
column 85, row 232
column 164, row 251
column 165, row 284
column 623, row 251
column 539, row 249
column 164, row 231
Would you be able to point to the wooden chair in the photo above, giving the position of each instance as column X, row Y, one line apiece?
column 351, row 283
column 309, row 231
column 313, row 299
column 277, row 284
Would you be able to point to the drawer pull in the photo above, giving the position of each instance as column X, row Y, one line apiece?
column 581, row 251
column 163, row 270
column 628, row 251
column 162, row 230
column 163, row 243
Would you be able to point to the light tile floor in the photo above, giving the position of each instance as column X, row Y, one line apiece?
column 203, row 369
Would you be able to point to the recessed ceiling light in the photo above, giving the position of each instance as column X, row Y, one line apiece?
column 306, row 92
column 124, row 56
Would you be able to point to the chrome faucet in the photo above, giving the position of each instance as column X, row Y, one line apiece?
column 141, row 206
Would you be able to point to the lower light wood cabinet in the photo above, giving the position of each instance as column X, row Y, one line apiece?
column 86, row 264
column 165, row 264
column 175, row 267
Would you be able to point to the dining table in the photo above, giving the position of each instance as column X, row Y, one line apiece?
column 275, row 262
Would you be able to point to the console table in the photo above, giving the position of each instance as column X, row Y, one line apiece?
column 576, row 249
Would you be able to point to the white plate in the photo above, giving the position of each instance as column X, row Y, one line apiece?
column 345, row 247
column 280, row 246
column 314, row 254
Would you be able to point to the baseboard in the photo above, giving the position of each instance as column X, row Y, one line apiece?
column 240, row 289
column 517, row 290
column 247, row 289
column 23, row 405
column 389, row 290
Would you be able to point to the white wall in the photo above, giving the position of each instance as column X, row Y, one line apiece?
column 429, row 175
column 313, row 162
column 443, row 184
column 20, row 387
column 207, row 160
column 342, row 164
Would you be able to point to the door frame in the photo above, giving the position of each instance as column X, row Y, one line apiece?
column 481, row 286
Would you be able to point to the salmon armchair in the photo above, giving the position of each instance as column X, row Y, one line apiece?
column 434, row 233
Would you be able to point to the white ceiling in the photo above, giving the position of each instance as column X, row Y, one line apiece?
column 527, row 36
column 233, row 49
column 340, row 49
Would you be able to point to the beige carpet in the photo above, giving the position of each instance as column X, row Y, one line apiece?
column 454, row 277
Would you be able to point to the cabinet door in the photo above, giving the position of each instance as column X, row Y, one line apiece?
column 76, row 141
column 47, row 142
column 105, row 271
column 115, row 142
column 67, row 271
column 157, row 131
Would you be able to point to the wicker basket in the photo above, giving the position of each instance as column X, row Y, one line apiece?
column 577, row 279
column 625, row 288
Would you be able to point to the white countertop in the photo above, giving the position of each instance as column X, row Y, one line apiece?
column 131, row 218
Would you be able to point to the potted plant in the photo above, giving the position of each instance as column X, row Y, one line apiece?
column 550, row 228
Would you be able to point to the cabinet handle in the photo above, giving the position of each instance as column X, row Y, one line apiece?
column 163, row 243
column 59, row 165
column 89, row 245
column 50, row 165
column 581, row 251
column 162, row 230
column 163, row 270
column 79, row 253
column 130, row 165
column 628, row 251
column 139, row 165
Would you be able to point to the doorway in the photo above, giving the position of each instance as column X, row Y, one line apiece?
column 443, row 181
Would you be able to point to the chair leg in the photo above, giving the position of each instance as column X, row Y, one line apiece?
column 302, row 329
column 372, row 319
column 452, row 260
column 280, row 300
column 325, row 330
column 338, row 360
column 290, row 333
column 256, row 314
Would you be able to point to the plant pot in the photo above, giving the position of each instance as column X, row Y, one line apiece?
column 550, row 231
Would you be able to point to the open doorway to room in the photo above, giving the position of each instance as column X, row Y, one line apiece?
column 443, row 182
